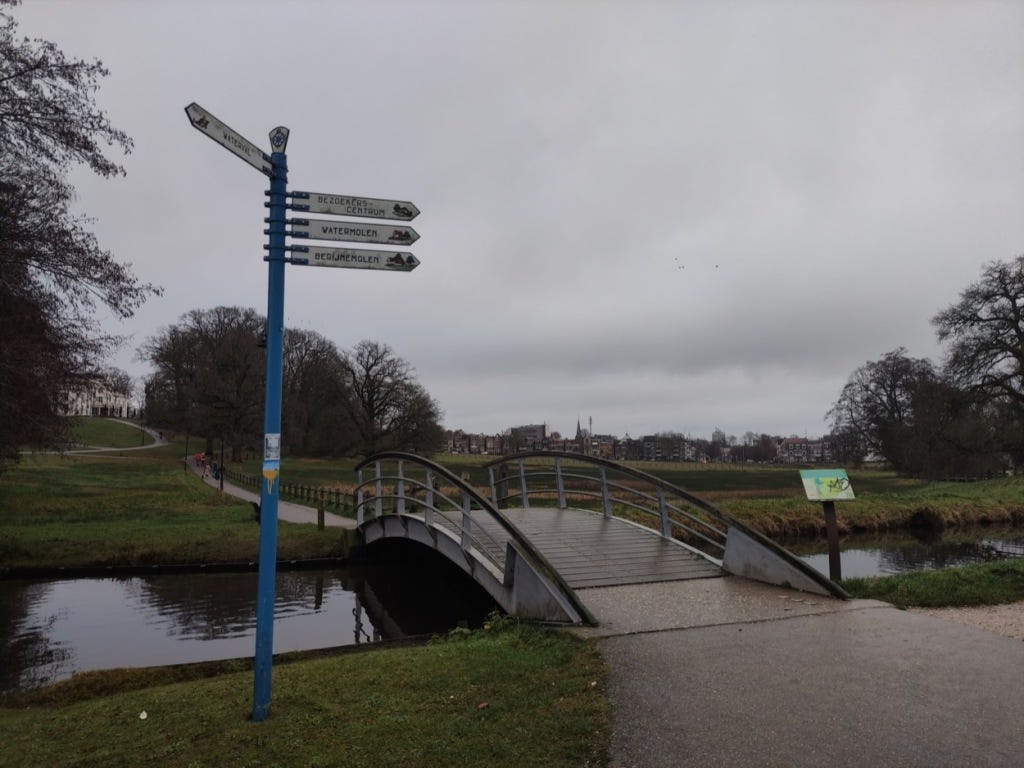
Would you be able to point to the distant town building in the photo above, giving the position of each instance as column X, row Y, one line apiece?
column 457, row 441
column 800, row 450
column 528, row 437
column 666, row 446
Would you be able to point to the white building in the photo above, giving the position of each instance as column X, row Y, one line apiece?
column 98, row 400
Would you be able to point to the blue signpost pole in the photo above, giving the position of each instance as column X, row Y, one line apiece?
column 270, row 485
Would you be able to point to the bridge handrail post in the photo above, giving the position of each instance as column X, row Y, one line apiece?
column 605, row 499
column 428, row 514
column 559, row 482
column 360, row 515
column 379, row 499
column 494, row 488
column 522, row 484
column 467, row 523
column 400, row 491
column 666, row 524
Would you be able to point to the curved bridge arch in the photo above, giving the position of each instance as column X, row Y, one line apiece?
column 401, row 495
column 553, row 478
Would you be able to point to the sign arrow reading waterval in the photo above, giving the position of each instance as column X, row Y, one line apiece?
column 233, row 141
column 353, row 258
column 344, row 205
column 352, row 231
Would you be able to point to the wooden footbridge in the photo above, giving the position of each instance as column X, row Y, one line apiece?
column 555, row 524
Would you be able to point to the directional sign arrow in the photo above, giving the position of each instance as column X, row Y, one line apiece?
column 354, row 258
column 346, row 205
column 233, row 141
column 352, row 231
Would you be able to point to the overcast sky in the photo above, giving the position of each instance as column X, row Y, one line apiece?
column 664, row 216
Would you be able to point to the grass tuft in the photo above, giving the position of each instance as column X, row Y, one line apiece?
column 983, row 584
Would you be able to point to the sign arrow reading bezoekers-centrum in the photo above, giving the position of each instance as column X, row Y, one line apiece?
column 352, row 231
column 353, row 258
column 231, row 140
column 346, row 205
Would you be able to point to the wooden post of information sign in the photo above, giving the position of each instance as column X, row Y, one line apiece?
column 829, row 486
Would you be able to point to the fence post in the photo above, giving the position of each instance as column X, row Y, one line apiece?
column 320, row 514
column 559, row 483
column 604, row 493
column 522, row 484
column 494, row 488
column 666, row 525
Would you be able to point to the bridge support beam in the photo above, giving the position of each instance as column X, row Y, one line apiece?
column 744, row 556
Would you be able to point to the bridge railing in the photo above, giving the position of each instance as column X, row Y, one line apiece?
column 587, row 482
column 407, row 485
column 399, row 483
column 552, row 478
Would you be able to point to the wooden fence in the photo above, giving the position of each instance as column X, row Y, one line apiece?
column 329, row 498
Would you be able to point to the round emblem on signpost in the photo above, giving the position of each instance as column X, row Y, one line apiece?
column 279, row 138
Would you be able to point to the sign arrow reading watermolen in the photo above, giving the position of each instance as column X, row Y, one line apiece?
column 352, row 231
column 345, row 205
column 231, row 140
column 353, row 258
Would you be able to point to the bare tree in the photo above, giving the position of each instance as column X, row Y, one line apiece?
column 877, row 403
column 314, row 413
column 209, row 376
column 387, row 407
column 985, row 334
column 53, row 274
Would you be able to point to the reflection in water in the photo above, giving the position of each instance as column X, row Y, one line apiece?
column 880, row 554
column 51, row 629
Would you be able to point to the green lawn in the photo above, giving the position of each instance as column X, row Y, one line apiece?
column 97, row 510
column 96, row 431
column 504, row 697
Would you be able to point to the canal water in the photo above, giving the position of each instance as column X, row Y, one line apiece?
column 50, row 629
column 875, row 554
column 53, row 628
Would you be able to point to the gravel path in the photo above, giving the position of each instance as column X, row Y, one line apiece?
column 1005, row 620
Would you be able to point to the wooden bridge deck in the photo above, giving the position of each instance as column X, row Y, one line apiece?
column 589, row 550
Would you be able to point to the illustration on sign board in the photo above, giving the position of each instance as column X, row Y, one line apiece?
column 826, row 484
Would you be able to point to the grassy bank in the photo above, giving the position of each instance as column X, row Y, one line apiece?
column 95, row 510
column 509, row 696
column 94, row 431
column 983, row 584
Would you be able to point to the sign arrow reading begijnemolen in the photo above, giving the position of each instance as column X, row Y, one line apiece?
column 353, row 258
column 352, row 231
column 232, row 140
column 346, row 205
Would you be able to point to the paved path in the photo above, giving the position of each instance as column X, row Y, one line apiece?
column 726, row 672
column 287, row 511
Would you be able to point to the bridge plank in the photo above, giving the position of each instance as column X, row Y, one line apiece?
column 589, row 550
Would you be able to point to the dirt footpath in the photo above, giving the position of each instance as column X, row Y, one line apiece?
column 1005, row 620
